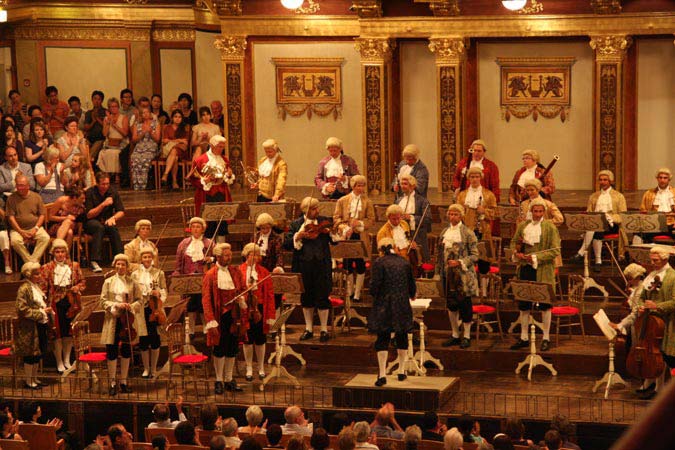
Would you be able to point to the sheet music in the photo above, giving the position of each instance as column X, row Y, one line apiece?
column 603, row 322
column 420, row 303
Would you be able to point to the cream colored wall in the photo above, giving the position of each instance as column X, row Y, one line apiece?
column 655, row 108
column 176, row 70
column 6, row 77
column 26, row 69
column 99, row 68
column 419, row 99
column 301, row 139
column 209, row 70
column 572, row 140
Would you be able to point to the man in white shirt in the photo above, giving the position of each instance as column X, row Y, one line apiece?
column 162, row 415
column 296, row 423
column 230, row 428
column 660, row 199
column 10, row 169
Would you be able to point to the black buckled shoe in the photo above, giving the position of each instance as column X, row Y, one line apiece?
column 651, row 387
column 324, row 336
column 306, row 335
column 466, row 343
column 219, row 389
column 232, row 386
column 113, row 390
column 577, row 259
column 124, row 389
column 451, row 342
column 381, row 381
column 402, row 377
column 249, row 377
column 545, row 345
column 520, row 344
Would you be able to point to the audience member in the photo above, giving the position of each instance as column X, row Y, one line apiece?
column 161, row 413
column 552, row 440
column 19, row 110
column 10, row 169
column 48, row 176
column 93, row 124
column 346, row 440
column 217, row 442
column 296, row 422
column 218, row 118
column 362, row 436
column 104, row 208
column 412, row 437
column 229, row 429
column 515, row 430
column 320, row 439
column 453, row 439
column 175, row 135
column 296, row 443
column 10, row 139
column 120, row 438
column 432, row 428
column 4, row 238
column 502, row 442
column 8, row 427
column 274, row 434
column 160, row 442
column 185, row 105
column 157, row 109
column 146, row 134
column 26, row 215
column 72, row 142
column 35, row 114
column 116, row 132
column 54, row 111
column 250, row 444
column 210, row 418
column 37, row 143
column 385, row 424
column 78, row 174
column 65, row 213
column 567, row 431
column 467, row 426
column 203, row 132
column 76, row 111
column 185, row 433
column 337, row 422
column 254, row 417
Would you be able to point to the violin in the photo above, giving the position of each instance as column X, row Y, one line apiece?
column 645, row 359
column 156, row 306
column 413, row 256
column 314, row 230
column 128, row 333
column 255, row 315
column 75, row 302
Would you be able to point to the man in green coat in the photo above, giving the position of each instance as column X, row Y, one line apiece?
column 535, row 246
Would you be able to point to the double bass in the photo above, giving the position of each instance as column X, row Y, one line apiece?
column 645, row 359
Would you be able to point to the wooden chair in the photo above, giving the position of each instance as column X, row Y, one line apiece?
column 433, row 445
column 574, row 307
column 167, row 432
column 84, row 355
column 396, row 444
column 187, row 211
column 176, row 336
column 490, row 305
column 10, row 444
column 468, row 446
column 41, row 437
column 7, row 327
column 141, row 446
column 260, row 438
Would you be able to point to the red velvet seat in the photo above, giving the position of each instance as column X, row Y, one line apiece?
column 662, row 238
column 428, row 267
column 336, row 302
column 564, row 311
column 92, row 357
column 483, row 309
column 190, row 359
column 7, row 351
column 612, row 236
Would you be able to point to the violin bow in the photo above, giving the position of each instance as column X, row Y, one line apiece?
column 419, row 225
column 166, row 224
column 611, row 253
column 215, row 233
column 250, row 288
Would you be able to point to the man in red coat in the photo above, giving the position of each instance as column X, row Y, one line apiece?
column 222, row 284
column 477, row 158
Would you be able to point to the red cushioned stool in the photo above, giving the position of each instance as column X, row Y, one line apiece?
column 571, row 309
column 490, row 305
column 185, row 361
column 336, row 304
column 84, row 356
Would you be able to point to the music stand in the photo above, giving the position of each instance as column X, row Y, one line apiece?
column 348, row 250
column 215, row 212
column 590, row 221
column 533, row 292
column 426, row 289
column 286, row 283
column 279, row 371
column 640, row 254
column 610, row 378
column 641, row 223
column 275, row 209
column 508, row 214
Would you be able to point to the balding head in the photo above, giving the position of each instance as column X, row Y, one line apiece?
column 293, row 414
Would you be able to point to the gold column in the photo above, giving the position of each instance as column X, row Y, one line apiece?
column 232, row 51
column 450, row 53
column 610, row 51
column 376, row 56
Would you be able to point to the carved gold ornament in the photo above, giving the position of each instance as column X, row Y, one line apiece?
column 448, row 49
column 231, row 47
column 375, row 49
column 367, row 8
column 610, row 47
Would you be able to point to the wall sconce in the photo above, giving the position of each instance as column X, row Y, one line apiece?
column 297, row 5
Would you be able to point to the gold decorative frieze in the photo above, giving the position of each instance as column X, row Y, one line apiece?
column 234, row 114
column 606, row 6
column 231, row 47
column 367, row 8
column 610, row 47
column 50, row 32
column 375, row 49
column 136, row 2
column 227, row 7
column 533, row 8
column 451, row 49
column 444, row 7
column 173, row 35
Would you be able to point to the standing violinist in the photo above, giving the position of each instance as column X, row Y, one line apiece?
column 190, row 259
column 532, row 168
column 354, row 214
column 658, row 296
column 270, row 243
column 141, row 242
column 457, row 254
column 397, row 229
column 536, row 246
column 414, row 205
column 226, row 318
column 490, row 179
column 412, row 165
column 122, row 301
column 332, row 176
column 261, row 314
column 153, row 288
column 310, row 242
column 62, row 280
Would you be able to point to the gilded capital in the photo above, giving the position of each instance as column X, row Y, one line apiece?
column 610, row 47
column 375, row 49
column 451, row 49
column 367, row 8
column 444, row 7
column 606, row 6
column 231, row 47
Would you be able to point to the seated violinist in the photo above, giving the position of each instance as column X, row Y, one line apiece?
column 398, row 229
column 531, row 169
column 121, row 299
column 63, row 282
column 153, row 288
column 261, row 304
column 660, row 199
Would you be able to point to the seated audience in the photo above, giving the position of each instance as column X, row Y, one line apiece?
column 37, row 143
column 385, row 424
column 76, row 111
column 47, row 176
column 362, row 436
column 467, row 426
column 8, row 427
column 175, row 137
column 72, row 142
column 346, row 440
column 160, row 442
column 432, row 428
column 185, row 433
column 203, row 132
column 116, row 132
column 157, row 110
column 412, row 437
column 146, row 134
column 185, row 105
column 10, row 139
column 250, row 444
column 453, row 439
column 54, row 110
column 93, row 124
column 17, row 109
column 35, row 115
column 567, row 431
column 274, row 434
column 10, row 169
column 161, row 413
column 296, row 443
column 229, row 429
column 4, row 238
column 78, row 174
column 26, row 214
column 296, row 422
column 65, row 213
column 217, row 443
column 320, row 439
column 104, row 208
column 552, row 440
column 120, row 438
column 337, row 422
column 502, row 442
column 515, row 430
column 210, row 417
column 254, row 417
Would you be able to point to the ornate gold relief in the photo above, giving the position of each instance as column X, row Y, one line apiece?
column 451, row 49
column 173, row 35
column 533, row 8
column 136, row 2
column 606, row 6
column 231, row 48
column 112, row 32
column 234, row 116
column 367, row 8
column 375, row 49
column 444, row 7
column 374, row 80
column 610, row 47
column 609, row 119
column 449, row 119
column 227, row 7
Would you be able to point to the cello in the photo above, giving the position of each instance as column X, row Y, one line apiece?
column 645, row 359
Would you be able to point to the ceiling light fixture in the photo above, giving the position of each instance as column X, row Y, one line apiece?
column 514, row 5
column 297, row 5
column 292, row 4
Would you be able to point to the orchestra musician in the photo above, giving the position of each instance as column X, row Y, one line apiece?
column 535, row 246
column 414, row 205
column 397, row 229
column 152, row 282
column 532, row 190
column 611, row 202
column 32, row 328
column 490, row 179
column 139, row 243
column 262, row 313
column 270, row 242
column 660, row 199
column 226, row 320
column 354, row 215
column 532, row 168
column 211, row 176
column 411, row 165
column 392, row 286
column 332, row 177
column 122, row 301
column 457, row 254
column 272, row 174
column 63, row 282
column 309, row 239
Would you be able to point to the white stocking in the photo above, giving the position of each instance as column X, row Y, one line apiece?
column 112, row 371
column 350, row 284
column 588, row 238
column 308, row 313
column 124, row 370
column 192, row 316
column 229, row 368
column 28, row 374
column 454, row 323
column 360, row 278
column 145, row 357
column 402, row 357
column 323, row 319
column 467, row 330
column 154, row 358
column 58, row 354
column 546, row 318
column 248, row 356
column 382, row 363
column 597, row 250
column 260, row 357
column 67, row 349
column 218, row 364
column 524, row 325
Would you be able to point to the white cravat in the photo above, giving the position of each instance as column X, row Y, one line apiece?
column 263, row 242
column 195, row 249
column 474, row 196
column 604, row 204
column 62, row 274
column 119, row 288
column 478, row 164
column 407, row 202
column 145, row 279
column 39, row 297
column 451, row 236
column 251, row 276
column 400, row 239
column 334, row 168
column 145, row 244
column 532, row 233
column 265, row 169
column 528, row 174
column 355, row 205
column 664, row 200
column 225, row 282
